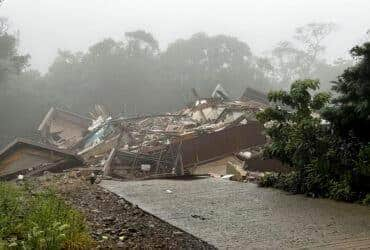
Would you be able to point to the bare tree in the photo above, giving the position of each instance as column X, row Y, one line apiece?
column 292, row 61
column 311, row 36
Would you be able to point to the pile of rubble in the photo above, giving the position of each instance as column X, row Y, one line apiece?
column 205, row 131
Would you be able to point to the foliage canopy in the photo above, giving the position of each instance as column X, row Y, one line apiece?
column 326, row 142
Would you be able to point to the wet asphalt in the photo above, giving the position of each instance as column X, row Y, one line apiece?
column 235, row 215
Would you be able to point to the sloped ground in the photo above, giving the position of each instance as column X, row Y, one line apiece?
column 114, row 222
column 238, row 215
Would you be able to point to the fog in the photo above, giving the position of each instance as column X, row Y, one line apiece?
column 46, row 25
column 147, row 56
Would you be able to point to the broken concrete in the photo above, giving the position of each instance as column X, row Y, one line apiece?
column 204, row 131
column 235, row 168
column 62, row 128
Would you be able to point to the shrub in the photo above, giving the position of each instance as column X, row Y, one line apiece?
column 341, row 190
column 366, row 200
column 330, row 156
column 289, row 182
column 268, row 180
column 39, row 221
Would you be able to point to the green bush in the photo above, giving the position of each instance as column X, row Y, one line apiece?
column 39, row 221
column 268, row 180
column 328, row 146
column 366, row 200
column 341, row 190
column 289, row 182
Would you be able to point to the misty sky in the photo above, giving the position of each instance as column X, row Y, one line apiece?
column 46, row 25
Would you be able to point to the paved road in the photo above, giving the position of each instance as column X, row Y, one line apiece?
column 237, row 215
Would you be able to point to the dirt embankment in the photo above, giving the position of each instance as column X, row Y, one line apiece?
column 114, row 222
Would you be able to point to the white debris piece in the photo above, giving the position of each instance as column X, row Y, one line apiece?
column 198, row 102
column 245, row 121
column 246, row 154
column 270, row 124
column 169, row 191
column 227, row 177
column 96, row 123
column 145, row 167
column 324, row 122
column 220, row 92
column 20, row 177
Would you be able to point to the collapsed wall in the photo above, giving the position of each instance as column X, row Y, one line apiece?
column 152, row 145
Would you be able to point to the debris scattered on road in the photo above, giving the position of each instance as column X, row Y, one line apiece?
column 196, row 216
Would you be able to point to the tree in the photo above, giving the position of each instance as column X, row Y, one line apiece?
column 288, row 62
column 302, row 140
column 203, row 61
column 311, row 37
column 350, row 112
column 296, row 133
column 112, row 73
column 302, row 60
column 141, row 42
column 330, row 156
column 11, row 62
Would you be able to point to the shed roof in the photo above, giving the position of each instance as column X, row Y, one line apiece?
column 18, row 142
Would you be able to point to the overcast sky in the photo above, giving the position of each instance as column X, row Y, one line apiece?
column 46, row 25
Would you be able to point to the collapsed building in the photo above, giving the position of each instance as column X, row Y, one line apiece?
column 188, row 141
column 31, row 158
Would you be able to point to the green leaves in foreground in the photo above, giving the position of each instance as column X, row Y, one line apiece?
column 39, row 221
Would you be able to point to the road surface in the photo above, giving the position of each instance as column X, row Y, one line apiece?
column 235, row 215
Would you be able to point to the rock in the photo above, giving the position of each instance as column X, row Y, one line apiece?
column 13, row 244
column 177, row 233
column 98, row 180
column 120, row 245
column 117, row 224
column 198, row 217
column 108, row 218
column 132, row 230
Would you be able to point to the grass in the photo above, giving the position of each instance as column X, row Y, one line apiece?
column 39, row 220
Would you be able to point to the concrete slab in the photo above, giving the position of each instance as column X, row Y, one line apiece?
column 238, row 215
